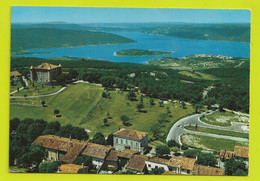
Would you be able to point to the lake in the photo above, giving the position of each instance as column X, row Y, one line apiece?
column 181, row 47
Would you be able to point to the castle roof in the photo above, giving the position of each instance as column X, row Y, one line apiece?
column 45, row 66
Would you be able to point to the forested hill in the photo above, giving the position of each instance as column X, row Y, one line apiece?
column 34, row 38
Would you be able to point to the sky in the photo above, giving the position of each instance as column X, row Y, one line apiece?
column 33, row 14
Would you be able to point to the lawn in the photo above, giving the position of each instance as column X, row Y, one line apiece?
column 223, row 118
column 37, row 89
column 118, row 105
column 206, row 142
column 14, row 87
column 78, row 99
column 198, row 75
column 216, row 131
column 73, row 103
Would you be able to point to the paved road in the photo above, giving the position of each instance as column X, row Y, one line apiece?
column 178, row 128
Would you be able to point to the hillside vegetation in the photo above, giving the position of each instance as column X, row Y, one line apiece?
column 34, row 38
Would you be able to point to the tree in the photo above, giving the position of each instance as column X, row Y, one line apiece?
column 131, row 95
column 105, row 121
column 192, row 153
column 208, row 101
column 99, row 139
column 168, row 110
column 197, row 107
column 86, row 160
column 43, row 103
column 53, row 167
column 141, row 98
column 65, row 131
column 139, row 106
column 172, row 143
column 107, row 81
column 240, row 172
column 162, row 150
column 54, row 125
column 43, row 167
column 232, row 166
column 14, row 123
column 79, row 133
column 151, row 101
column 56, row 111
column 161, row 103
column 109, row 140
column 157, row 171
column 108, row 115
column 74, row 74
column 124, row 118
column 183, row 105
column 162, row 118
column 207, row 159
column 156, row 130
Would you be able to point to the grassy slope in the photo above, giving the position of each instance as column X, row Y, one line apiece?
column 117, row 106
column 198, row 75
column 46, row 89
column 211, row 143
column 227, row 118
column 55, row 38
column 73, row 103
column 216, row 131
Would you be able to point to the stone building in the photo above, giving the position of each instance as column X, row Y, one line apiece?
column 45, row 73
column 126, row 139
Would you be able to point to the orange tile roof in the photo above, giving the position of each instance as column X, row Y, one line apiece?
column 137, row 163
column 241, row 151
column 71, row 146
column 226, row 154
column 46, row 66
column 207, row 170
column 96, row 150
column 115, row 154
column 15, row 74
column 158, row 160
column 128, row 133
column 169, row 173
column 71, row 168
column 184, row 162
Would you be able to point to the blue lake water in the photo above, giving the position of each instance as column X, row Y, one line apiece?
column 181, row 47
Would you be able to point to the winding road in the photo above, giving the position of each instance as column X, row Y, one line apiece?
column 178, row 128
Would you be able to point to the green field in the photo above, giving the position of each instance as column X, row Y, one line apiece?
column 223, row 118
column 37, row 89
column 139, row 52
column 78, row 99
column 206, row 142
column 73, row 103
column 198, row 75
column 216, row 131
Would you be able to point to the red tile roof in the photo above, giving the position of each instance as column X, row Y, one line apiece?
column 128, row 133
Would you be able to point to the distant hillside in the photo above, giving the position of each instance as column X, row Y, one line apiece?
column 34, row 38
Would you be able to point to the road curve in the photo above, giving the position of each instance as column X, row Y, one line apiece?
column 178, row 128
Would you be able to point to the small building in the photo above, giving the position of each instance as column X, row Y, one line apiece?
column 154, row 162
column 60, row 148
column 116, row 160
column 207, row 170
column 169, row 173
column 15, row 76
column 182, row 165
column 126, row 139
column 241, row 153
column 97, row 152
column 45, row 73
column 137, row 164
column 72, row 168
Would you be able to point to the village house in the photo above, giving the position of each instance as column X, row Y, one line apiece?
column 15, row 76
column 182, row 165
column 207, row 170
column 169, row 173
column 239, row 153
column 126, row 139
column 72, row 168
column 45, row 73
column 137, row 164
column 154, row 162
column 97, row 152
column 116, row 160
column 60, row 148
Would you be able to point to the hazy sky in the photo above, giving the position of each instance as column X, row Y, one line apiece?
column 30, row 14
